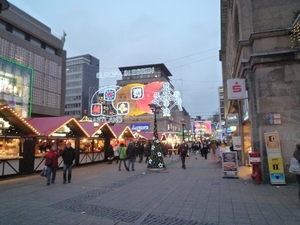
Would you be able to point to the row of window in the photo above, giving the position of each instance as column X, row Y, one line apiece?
column 71, row 113
column 21, row 34
column 73, row 105
column 73, row 98
column 74, row 91
column 73, row 77
column 74, row 69
column 74, row 83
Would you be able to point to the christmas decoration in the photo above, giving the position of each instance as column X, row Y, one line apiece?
column 156, row 160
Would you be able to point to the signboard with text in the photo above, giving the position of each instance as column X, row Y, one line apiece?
column 275, row 163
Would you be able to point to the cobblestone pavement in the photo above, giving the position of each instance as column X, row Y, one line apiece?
column 100, row 194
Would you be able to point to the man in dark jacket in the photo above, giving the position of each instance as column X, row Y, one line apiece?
column 131, row 153
column 183, row 150
column 68, row 156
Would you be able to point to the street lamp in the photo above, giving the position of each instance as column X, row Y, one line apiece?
column 156, row 161
column 183, row 124
column 155, row 109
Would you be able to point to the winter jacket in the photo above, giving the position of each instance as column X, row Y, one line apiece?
column 54, row 155
column 68, row 155
column 131, row 151
column 122, row 152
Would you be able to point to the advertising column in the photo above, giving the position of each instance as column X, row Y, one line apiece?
column 274, row 158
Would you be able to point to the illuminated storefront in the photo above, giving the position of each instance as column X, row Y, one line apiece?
column 16, row 86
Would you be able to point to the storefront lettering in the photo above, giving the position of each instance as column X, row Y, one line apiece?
column 135, row 72
column 108, row 74
column 115, row 119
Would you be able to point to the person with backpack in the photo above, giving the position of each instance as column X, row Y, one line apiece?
column 183, row 150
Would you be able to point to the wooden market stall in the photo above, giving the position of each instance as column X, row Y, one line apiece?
column 92, row 149
column 55, row 130
column 123, row 134
column 15, row 143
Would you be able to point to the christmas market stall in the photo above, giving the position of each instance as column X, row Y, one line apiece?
column 123, row 134
column 92, row 149
column 15, row 143
column 56, row 130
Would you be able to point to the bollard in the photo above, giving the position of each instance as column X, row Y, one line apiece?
column 254, row 158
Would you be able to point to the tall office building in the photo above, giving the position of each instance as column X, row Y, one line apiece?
column 32, row 66
column 81, row 76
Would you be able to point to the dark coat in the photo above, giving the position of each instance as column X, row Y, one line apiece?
column 183, row 150
column 110, row 152
column 131, row 151
column 68, row 155
column 147, row 150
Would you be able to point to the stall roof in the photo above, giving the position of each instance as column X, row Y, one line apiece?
column 92, row 128
column 49, row 125
column 161, row 135
column 122, row 129
column 15, row 119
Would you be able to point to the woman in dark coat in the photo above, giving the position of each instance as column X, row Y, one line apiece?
column 110, row 154
column 296, row 154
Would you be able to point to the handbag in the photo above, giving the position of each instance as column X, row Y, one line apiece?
column 44, row 172
column 294, row 166
column 49, row 162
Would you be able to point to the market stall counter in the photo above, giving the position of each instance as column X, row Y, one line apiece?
column 14, row 156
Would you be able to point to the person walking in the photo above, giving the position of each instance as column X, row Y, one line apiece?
column 122, row 156
column 131, row 153
column 140, row 148
column 296, row 155
column 205, row 149
column 183, row 150
column 110, row 154
column 147, row 150
column 116, row 152
column 51, row 161
column 68, row 155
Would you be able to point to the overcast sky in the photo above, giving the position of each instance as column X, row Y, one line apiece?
column 182, row 34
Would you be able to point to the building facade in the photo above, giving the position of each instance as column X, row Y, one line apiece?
column 256, row 46
column 147, row 74
column 32, row 66
column 81, row 77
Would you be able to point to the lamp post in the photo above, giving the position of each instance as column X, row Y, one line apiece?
column 183, row 124
column 156, row 161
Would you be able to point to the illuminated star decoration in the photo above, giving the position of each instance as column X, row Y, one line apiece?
column 167, row 98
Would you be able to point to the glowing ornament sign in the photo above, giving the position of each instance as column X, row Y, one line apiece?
column 133, row 100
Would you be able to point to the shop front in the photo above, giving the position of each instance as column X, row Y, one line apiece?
column 123, row 135
column 92, row 149
column 55, row 130
column 15, row 151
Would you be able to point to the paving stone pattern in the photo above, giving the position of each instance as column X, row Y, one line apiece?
column 100, row 194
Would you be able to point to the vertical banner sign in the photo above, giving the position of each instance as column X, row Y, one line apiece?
column 236, row 89
column 230, row 164
column 274, row 158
